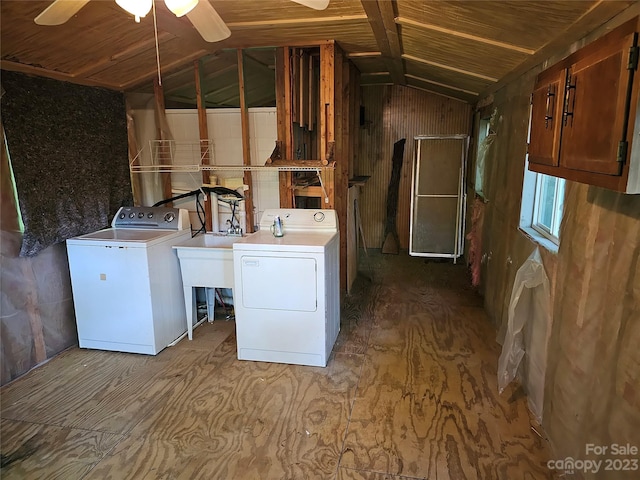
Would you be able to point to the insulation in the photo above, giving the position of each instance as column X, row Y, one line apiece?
column 475, row 241
column 68, row 149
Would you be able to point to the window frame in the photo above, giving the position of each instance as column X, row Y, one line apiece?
column 553, row 232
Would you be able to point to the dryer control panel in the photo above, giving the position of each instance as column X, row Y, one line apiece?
column 301, row 219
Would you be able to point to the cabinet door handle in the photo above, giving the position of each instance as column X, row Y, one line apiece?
column 548, row 114
column 569, row 99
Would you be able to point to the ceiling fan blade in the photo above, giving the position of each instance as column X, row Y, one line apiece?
column 59, row 12
column 315, row 4
column 208, row 23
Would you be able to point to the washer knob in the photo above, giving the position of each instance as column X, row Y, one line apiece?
column 122, row 215
column 169, row 217
column 132, row 215
column 141, row 215
column 318, row 216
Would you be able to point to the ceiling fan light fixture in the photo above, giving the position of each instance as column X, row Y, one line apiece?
column 315, row 4
column 180, row 7
column 137, row 8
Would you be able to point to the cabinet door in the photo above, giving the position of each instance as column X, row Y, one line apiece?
column 546, row 117
column 596, row 109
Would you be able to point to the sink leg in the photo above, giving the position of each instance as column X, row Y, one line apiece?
column 211, row 303
column 190, row 305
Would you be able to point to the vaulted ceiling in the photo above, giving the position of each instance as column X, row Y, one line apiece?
column 460, row 49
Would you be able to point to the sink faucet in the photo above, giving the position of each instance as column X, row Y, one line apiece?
column 234, row 229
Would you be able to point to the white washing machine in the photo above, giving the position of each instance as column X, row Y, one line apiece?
column 287, row 289
column 127, row 289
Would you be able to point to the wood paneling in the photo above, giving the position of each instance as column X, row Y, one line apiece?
column 592, row 369
column 462, row 54
column 102, row 46
column 392, row 113
column 513, row 22
column 409, row 392
column 449, row 78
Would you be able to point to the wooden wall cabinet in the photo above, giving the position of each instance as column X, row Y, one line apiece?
column 584, row 108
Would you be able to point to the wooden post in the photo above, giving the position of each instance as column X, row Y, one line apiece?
column 303, row 90
column 246, row 145
column 311, row 96
column 204, row 135
column 327, row 117
column 136, row 180
column 341, row 173
column 288, row 104
column 285, row 135
column 295, row 85
column 160, row 121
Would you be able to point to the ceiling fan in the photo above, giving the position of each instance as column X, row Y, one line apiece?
column 201, row 13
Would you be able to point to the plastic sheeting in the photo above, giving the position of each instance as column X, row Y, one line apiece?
column 36, row 305
column 528, row 330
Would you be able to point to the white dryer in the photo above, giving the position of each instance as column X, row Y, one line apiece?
column 287, row 288
column 127, row 289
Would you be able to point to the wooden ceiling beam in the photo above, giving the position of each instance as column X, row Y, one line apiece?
column 55, row 75
column 151, row 74
column 411, row 58
column 134, row 49
column 389, row 21
column 223, row 90
column 444, row 85
column 179, row 85
column 364, row 55
column 260, row 65
column 385, row 38
column 289, row 22
column 442, row 94
column 455, row 33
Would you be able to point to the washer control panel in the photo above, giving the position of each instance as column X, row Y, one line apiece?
column 152, row 218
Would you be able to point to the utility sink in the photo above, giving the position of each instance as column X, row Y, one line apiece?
column 205, row 261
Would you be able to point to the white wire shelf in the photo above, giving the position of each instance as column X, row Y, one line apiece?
column 228, row 168
column 170, row 156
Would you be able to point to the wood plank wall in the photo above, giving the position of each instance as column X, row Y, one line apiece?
column 392, row 113
column 591, row 381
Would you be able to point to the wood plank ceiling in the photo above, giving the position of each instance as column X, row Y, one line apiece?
column 460, row 49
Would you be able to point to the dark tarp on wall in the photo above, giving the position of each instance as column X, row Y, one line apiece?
column 69, row 153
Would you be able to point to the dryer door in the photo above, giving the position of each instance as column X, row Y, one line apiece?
column 279, row 283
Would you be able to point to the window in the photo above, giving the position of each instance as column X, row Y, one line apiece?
column 547, row 206
column 542, row 206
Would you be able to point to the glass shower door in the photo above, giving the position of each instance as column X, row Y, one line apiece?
column 438, row 198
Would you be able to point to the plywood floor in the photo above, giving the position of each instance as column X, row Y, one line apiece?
column 410, row 392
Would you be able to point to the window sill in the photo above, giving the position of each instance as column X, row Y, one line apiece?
column 539, row 239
